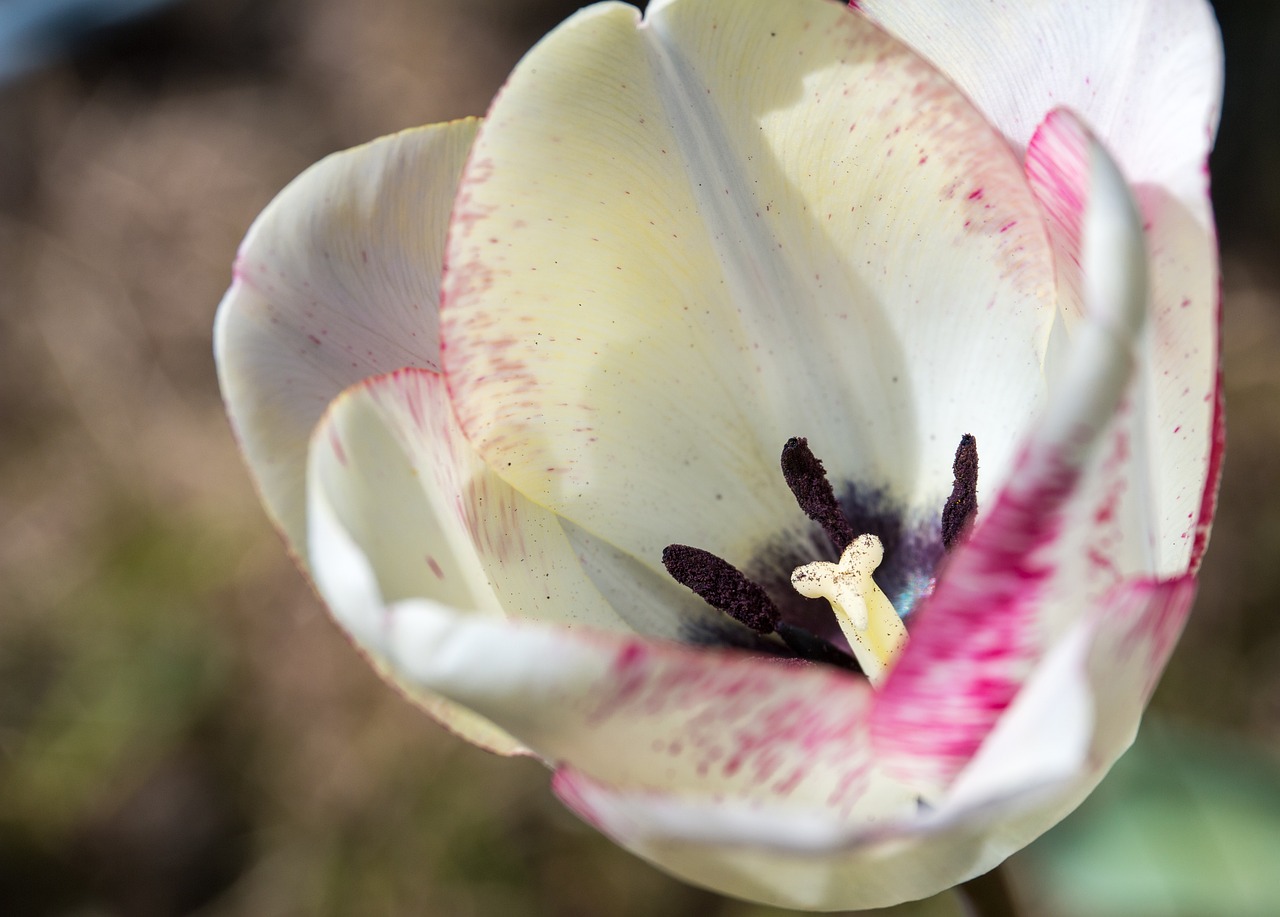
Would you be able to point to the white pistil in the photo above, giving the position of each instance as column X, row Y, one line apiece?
column 867, row 617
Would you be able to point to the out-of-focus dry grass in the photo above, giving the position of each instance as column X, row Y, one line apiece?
column 180, row 725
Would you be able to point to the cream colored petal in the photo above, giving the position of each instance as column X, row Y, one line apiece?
column 649, row 600
column 1183, row 379
column 432, row 520
column 349, row 585
column 683, row 241
column 336, row 281
column 438, row 523
column 391, row 472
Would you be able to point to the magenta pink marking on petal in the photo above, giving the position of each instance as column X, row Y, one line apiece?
column 335, row 442
column 975, row 640
column 1139, row 625
column 734, row 718
column 1057, row 169
column 973, row 643
column 1217, row 448
column 570, row 788
column 1057, row 159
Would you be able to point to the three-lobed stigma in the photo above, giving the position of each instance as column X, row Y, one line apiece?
column 866, row 616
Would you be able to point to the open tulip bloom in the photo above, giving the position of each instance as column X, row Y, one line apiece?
column 797, row 426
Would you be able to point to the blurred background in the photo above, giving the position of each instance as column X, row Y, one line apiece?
column 182, row 730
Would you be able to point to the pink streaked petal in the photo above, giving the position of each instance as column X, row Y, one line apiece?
column 1147, row 79
column 348, row 582
column 998, row 606
column 337, row 280
column 1084, row 701
column 797, row 856
column 1133, row 632
column 1041, row 745
column 1146, row 76
column 1182, row 377
column 434, row 522
column 1112, row 534
column 645, row 714
column 437, row 523
column 1042, row 741
column 1138, row 627
column 1057, row 167
column 1173, row 435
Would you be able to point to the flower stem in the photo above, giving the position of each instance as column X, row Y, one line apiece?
column 988, row 895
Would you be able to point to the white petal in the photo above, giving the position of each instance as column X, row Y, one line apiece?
column 1146, row 76
column 336, row 281
column 1032, row 564
column 681, row 243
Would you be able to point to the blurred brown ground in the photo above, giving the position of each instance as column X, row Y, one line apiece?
column 181, row 728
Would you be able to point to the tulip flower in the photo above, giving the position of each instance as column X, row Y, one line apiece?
column 797, row 426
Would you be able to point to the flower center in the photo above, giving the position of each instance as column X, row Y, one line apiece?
column 868, row 620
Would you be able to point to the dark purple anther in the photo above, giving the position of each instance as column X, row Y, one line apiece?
column 721, row 585
column 808, row 481
column 962, row 505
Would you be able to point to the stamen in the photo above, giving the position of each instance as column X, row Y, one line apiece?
column 722, row 585
column 808, row 481
column 962, row 505
column 867, row 617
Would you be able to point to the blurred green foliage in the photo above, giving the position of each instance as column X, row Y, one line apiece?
column 1187, row 823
